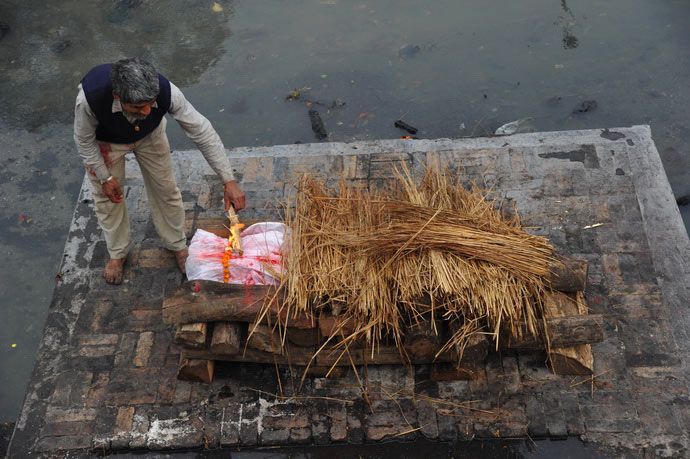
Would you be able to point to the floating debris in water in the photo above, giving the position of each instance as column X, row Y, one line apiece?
column 515, row 127
column 317, row 125
column 585, row 107
column 217, row 7
column 409, row 51
column 400, row 124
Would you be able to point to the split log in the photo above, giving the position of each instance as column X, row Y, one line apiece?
column 264, row 338
column 568, row 275
column 303, row 337
column 563, row 331
column 476, row 347
column 196, row 370
column 226, row 338
column 423, row 340
column 192, row 335
column 573, row 360
column 208, row 301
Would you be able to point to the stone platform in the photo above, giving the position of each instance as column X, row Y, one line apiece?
column 104, row 379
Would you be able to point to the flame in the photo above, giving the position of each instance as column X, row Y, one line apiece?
column 232, row 245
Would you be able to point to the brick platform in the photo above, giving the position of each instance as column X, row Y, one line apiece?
column 105, row 375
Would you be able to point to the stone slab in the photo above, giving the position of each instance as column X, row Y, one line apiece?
column 104, row 378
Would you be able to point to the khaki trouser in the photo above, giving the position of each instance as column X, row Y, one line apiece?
column 165, row 200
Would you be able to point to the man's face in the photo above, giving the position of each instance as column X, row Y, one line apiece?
column 140, row 110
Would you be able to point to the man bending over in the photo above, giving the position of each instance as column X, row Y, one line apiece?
column 121, row 108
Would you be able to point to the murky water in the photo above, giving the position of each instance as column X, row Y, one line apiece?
column 448, row 67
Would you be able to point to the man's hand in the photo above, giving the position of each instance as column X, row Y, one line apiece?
column 113, row 190
column 233, row 196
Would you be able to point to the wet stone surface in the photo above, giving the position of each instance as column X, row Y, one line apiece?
column 105, row 377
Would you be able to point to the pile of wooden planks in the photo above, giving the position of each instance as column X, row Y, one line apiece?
column 218, row 322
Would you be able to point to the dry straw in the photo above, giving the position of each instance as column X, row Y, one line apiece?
column 428, row 250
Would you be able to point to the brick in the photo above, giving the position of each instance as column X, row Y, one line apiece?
column 125, row 417
column 569, row 403
column 166, row 389
column 249, row 431
column 125, row 350
column 319, row 430
column 300, row 436
column 292, row 417
column 271, row 437
column 145, row 320
column 109, row 339
column 554, row 416
column 231, row 420
column 71, row 388
column 610, row 418
column 70, row 415
column 659, row 419
column 535, row 417
column 355, row 418
column 339, row 423
column 133, row 386
column 426, row 419
column 389, row 419
column 447, row 428
column 183, row 392
column 156, row 258
column 143, row 349
column 61, row 443
column 98, row 390
column 58, row 429
column 140, row 426
column 100, row 313
column 96, row 351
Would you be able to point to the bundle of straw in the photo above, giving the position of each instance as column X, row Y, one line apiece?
column 431, row 249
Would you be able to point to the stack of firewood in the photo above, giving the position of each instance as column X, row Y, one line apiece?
column 218, row 322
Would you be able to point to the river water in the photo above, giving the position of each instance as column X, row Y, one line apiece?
column 451, row 68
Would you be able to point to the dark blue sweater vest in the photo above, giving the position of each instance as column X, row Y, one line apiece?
column 114, row 127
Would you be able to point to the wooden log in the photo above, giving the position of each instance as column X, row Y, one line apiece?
column 264, row 338
column 295, row 356
column 196, row 370
column 569, row 275
column 330, row 325
column 303, row 337
column 208, row 301
column 383, row 355
column 226, row 337
column 453, row 372
column 475, row 351
column 564, row 332
column 573, row 360
column 191, row 335
column 422, row 339
column 298, row 356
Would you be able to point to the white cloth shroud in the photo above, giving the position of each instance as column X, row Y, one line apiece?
column 259, row 264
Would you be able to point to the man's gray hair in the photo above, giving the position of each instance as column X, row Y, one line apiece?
column 134, row 80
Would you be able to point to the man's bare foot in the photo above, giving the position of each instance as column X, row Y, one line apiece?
column 181, row 258
column 113, row 271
